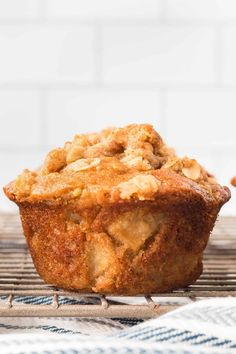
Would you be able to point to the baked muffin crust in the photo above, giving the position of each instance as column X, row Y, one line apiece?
column 118, row 212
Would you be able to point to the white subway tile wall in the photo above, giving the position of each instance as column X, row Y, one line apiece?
column 70, row 66
column 20, row 118
column 158, row 54
column 93, row 110
column 15, row 9
column 229, row 54
column 205, row 117
column 203, row 9
column 43, row 54
column 104, row 8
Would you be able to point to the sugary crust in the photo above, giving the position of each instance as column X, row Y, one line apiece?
column 126, row 163
column 80, row 248
column 77, row 252
column 171, row 188
column 118, row 213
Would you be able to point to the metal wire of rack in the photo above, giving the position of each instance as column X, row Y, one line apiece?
column 18, row 278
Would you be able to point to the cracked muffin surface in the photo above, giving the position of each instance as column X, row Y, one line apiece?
column 118, row 212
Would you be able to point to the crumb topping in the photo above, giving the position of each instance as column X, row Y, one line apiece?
column 119, row 161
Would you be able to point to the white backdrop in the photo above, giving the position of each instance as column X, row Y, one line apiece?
column 70, row 66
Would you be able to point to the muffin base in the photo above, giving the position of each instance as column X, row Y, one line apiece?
column 100, row 249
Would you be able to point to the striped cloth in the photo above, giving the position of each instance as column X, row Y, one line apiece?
column 206, row 326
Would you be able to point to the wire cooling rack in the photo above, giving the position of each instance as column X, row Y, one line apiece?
column 19, row 280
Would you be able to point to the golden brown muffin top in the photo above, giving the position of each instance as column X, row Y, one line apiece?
column 117, row 164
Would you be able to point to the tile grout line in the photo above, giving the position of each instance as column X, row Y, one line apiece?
column 218, row 54
column 42, row 10
column 43, row 116
column 163, row 10
column 152, row 86
column 163, row 20
column 98, row 48
column 16, row 149
column 163, row 112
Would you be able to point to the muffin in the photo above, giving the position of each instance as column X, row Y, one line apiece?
column 118, row 213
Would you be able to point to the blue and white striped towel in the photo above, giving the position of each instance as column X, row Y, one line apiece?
column 206, row 326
